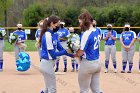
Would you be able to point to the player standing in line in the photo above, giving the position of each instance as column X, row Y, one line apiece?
column 1, row 50
column 37, row 35
column 62, row 34
column 50, row 49
column 138, row 37
column 110, row 38
column 98, row 29
column 127, row 40
column 90, row 67
column 19, row 45
column 74, row 61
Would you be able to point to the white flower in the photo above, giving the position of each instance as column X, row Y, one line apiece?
column 13, row 37
column 3, row 32
column 73, row 42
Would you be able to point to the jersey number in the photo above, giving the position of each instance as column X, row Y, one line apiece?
column 97, row 40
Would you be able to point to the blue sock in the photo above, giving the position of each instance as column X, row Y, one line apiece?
column 57, row 63
column 139, row 65
column 106, row 64
column 77, row 66
column 1, row 64
column 114, row 64
column 130, row 66
column 65, row 63
column 73, row 65
column 124, row 65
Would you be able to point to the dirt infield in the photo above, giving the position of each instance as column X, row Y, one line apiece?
column 12, row 81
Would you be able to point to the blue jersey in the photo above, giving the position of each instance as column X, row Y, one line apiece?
column 21, row 35
column 109, row 41
column 138, row 36
column 63, row 32
column 90, row 44
column 127, row 37
column 37, row 34
column 100, row 32
column 49, row 46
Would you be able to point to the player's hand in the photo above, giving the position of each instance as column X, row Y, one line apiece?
column 127, row 48
column 68, row 51
column 80, row 52
column 75, row 55
column 109, row 33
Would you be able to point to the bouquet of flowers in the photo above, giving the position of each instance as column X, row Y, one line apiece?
column 73, row 43
column 2, row 33
column 13, row 38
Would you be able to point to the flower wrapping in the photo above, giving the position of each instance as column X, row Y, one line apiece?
column 13, row 38
column 2, row 33
column 73, row 43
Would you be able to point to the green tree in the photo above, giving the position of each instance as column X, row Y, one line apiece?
column 4, row 5
column 33, row 14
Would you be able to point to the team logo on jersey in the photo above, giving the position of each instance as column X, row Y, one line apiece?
column 55, row 42
column 126, row 38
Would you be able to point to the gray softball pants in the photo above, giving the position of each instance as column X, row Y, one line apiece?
column 46, row 68
column 1, row 49
column 89, row 76
column 128, row 56
column 17, row 50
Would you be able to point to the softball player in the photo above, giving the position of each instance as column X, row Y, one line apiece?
column 1, row 51
column 98, row 29
column 49, row 45
column 127, row 40
column 74, row 61
column 110, row 48
column 62, row 33
column 138, row 37
column 37, row 35
column 90, row 67
column 19, row 45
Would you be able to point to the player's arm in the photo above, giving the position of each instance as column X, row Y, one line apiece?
column 106, row 36
column 132, row 42
column 114, row 37
column 121, row 41
column 60, row 48
column 134, row 39
column 138, row 39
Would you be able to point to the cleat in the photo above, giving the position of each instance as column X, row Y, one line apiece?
column 115, row 70
column 128, row 71
column 122, row 71
column 56, row 70
column 72, row 70
column 106, row 71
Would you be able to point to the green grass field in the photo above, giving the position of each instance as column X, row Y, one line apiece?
column 31, row 46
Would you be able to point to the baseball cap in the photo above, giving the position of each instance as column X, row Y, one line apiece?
column 19, row 25
column 63, row 23
column 109, row 25
column 126, row 25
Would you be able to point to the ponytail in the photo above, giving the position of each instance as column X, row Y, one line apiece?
column 43, row 30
